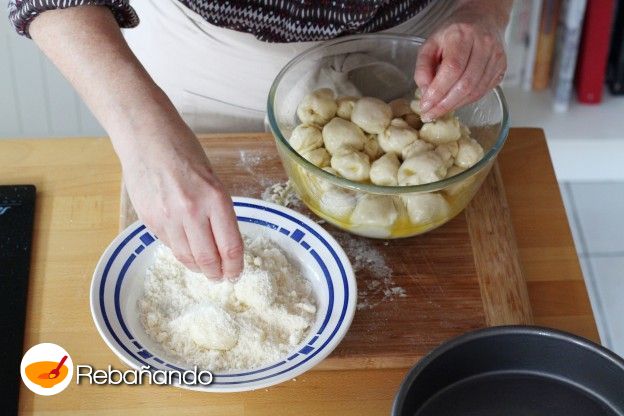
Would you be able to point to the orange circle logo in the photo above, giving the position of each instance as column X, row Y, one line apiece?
column 47, row 369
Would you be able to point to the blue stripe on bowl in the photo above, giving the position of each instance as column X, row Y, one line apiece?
column 253, row 206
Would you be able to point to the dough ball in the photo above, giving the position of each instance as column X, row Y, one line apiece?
column 384, row 170
column 469, row 153
column 422, row 168
column 448, row 152
column 458, row 187
column 318, row 157
column 354, row 166
column 413, row 120
column 306, row 137
column 371, row 114
column 257, row 290
column 415, row 106
column 419, row 146
column 338, row 202
column 397, row 136
column 317, row 107
column 444, row 130
column 424, row 208
column 400, row 107
column 209, row 327
column 345, row 107
column 371, row 147
column 342, row 136
column 374, row 215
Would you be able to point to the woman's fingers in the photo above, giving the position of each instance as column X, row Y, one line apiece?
column 179, row 244
column 203, row 247
column 464, row 87
column 455, row 54
column 228, row 237
column 426, row 64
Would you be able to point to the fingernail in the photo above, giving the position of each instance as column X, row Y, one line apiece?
column 426, row 118
column 424, row 106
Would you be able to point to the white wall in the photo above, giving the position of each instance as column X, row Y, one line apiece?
column 35, row 99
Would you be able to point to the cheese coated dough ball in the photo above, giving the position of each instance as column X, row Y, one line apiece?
column 397, row 136
column 422, row 168
column 371, row 114
column 444, row 130
column 424, row 208
column 318, row 157
column 374, row 215
column 306, row 137
column 342, row 136
column 469, row 153
column 317, row 107
column 354, row 166
column 345, row 107
column 419, row 146
column 384, row 170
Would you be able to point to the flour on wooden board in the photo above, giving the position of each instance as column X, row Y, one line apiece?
column 223, row 326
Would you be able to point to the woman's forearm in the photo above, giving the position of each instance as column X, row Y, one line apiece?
column 85, row 43
column 498, row 10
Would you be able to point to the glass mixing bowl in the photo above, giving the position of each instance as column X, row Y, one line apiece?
column 382, row 66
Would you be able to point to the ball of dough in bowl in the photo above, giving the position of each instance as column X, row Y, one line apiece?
column 398, row 135
column 337, row 202
column 318, row 157
column 374, row 215
column 448, row 152
column 317, row 107
column 384, row 170
column 422, row 168
column 418, row 146
column 345, row 107
column 354, row 166
column 469, row 152
column 444, row 130
column 371, row 114
column 342, row 136
column 306, row 137
column 424, row 208
column 371, row 147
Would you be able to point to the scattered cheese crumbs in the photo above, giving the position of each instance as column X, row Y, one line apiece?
column 223, row 325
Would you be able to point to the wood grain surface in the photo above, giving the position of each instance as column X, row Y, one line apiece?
column 459, row 277
column 77, row 216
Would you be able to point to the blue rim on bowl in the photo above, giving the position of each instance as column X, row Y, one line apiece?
column 117, row 278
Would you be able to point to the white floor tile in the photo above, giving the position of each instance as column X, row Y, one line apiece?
column 566, row 195
column 608, row 276
column 600, row 213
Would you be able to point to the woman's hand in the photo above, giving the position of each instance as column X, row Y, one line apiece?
column 464, row 58
column 176, row 194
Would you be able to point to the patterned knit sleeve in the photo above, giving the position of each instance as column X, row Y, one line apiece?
column 22, row 12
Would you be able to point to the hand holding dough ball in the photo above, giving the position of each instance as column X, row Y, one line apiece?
column 384, row 170
column 397, row 136
column 318, row 157
column 443, row 130
column 371, row 114
column 469, row 153
column 419, row 146
column 448, row 152
column 318, row 107
column 420, row 169
column 345, row 107
column 400, row 107
column 424, row 208
column 375, row 214
column 342, row 136
column 354, row 166
column 306, row 137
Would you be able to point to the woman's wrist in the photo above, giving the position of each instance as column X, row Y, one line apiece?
column 496, row 11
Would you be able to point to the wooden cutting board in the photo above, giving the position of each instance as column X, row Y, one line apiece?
column 459, row 277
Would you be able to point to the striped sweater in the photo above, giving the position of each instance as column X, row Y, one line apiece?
column 267, row 20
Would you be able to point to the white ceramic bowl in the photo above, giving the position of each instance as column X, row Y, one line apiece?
column 118, row 284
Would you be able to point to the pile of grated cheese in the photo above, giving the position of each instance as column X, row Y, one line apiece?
column 220, row 325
